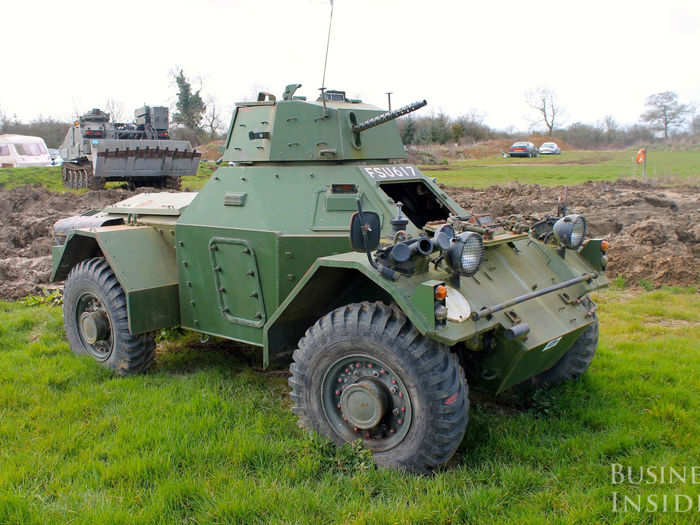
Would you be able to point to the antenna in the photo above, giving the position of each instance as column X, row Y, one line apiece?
column 325, row 62
column 388, row 95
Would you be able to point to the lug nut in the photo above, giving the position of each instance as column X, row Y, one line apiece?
column 400, row 421
column 393, row 381
column 369, row 365
column 337, row 392
column 382, row 371
column 395, row 412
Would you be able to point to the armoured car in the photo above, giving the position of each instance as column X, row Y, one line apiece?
column 316, row 240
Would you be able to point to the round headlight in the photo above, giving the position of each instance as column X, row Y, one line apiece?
column 466, row 253
column 570, row 230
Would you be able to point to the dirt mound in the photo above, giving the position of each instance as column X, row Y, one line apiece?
column 27, row 215
column 211, row 150
column 654, row 230
column 430, row 154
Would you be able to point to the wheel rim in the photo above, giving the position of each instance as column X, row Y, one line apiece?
column 363, row 398
column 94, row 326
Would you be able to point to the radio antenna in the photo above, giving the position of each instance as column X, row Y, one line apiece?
column 325, row 62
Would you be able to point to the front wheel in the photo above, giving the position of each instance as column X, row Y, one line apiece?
column 364, row 372
column 96, row 322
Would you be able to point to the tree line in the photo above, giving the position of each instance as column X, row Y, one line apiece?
column 201, row 121
column 664, row 117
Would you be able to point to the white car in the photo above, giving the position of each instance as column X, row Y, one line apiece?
column 21, row 151
column 56, row 159
column 549, row 148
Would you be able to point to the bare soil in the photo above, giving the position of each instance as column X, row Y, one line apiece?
column 27, row 215
column 653, row 229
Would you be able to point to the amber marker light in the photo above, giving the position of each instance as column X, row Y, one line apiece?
column 440, row 292
column 604, row 245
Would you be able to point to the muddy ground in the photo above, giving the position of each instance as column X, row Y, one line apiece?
column 654, row 230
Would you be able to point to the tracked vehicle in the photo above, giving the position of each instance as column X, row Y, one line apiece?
column 316, row 240
column 97, row 150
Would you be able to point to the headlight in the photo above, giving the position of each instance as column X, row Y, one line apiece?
column 570, row 230
column 466, row 253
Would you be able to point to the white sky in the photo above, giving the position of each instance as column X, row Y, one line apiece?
column 600, row 57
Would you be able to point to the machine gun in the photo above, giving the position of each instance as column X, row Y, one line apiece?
column 389, row 115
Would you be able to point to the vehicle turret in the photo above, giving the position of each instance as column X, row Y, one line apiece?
column 332, row 128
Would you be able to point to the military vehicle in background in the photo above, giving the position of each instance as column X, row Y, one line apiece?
column 315, row 240
column 96, row 150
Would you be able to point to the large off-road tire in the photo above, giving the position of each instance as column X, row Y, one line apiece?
column 574, row 362
column 364, row 372
column 96, row 323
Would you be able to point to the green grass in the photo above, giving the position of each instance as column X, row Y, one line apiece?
column 572, row 167
column 50, row 178
column 205, row 438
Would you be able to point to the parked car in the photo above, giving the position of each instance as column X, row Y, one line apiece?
column 523, row 149
column 550, row 148
column 56, row 159
column 21, row 151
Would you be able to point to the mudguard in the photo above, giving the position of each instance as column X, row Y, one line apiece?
column 523, row 339
column 143, row 261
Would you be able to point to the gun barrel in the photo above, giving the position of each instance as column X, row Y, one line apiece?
column 386, row 117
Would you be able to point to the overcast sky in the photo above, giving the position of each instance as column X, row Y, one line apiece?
column 600, row 57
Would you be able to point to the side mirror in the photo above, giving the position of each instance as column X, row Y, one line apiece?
column 365, row 231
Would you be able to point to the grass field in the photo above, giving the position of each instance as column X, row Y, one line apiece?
column 50, row 178
column 205, row 438
column 573, row 167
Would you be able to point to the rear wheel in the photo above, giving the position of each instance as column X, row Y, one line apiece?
column 364, row 372
column 96, row 322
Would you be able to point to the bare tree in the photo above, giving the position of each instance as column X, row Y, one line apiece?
column 665, row 112
column 695, row 125
column 212, row 119
column 115, row 109
column 549, row 111
column 611, row 128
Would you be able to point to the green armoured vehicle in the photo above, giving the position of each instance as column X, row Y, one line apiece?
column 96, row 150
column 314, row 237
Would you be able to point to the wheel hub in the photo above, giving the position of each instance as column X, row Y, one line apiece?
column 363, row 398
column 364, row 403
column 94, row 326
